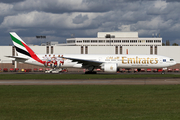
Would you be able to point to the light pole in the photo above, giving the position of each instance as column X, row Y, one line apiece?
column 110, row 40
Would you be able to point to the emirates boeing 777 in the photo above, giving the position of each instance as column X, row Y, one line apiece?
column 107, row 63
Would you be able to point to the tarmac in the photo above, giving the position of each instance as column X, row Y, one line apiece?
column 94, row 82
column 128, row 81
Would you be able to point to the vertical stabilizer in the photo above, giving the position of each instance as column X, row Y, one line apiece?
column 22, row 49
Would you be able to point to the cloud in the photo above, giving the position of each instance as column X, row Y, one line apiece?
column 48, row 20
column 62, row 6
column 35, row 19
column 11, row 1
column 125, row 28
column 157, row 8
column 172, row 1
column 84, row 18
column 6, row 9
column 80, row 19
column 48, row 32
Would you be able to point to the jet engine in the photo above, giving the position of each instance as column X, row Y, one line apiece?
column 109, row 67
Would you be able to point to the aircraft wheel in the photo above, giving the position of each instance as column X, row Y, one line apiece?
column 163, row 73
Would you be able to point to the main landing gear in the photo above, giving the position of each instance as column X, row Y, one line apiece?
column 91, row 68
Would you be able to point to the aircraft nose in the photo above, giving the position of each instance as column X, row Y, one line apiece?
column 173, row 63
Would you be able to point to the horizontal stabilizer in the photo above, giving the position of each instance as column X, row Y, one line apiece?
column 17, row 58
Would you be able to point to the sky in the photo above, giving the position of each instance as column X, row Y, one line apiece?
column 62, row 19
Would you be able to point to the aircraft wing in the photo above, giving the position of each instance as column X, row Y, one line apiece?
column 85, row 63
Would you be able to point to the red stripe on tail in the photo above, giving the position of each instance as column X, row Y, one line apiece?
column 33, row 55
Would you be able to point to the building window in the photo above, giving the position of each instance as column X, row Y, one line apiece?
column 151, row 50
column 94, row 41
column 82, row 51
column 120, row 50
column 79, row 41
column 47, row 50
column 116, row 50
column 86, row 50
column 155, row 50
column 52, row 50
column 157, row 41
column 149, row 41
column 86, row 41
column 141, row 41
column 13, row 51
column 125, row 41
column 117, row 41
column 101, row 41
column 70, row 41
column 108, row 41
column 13, row 62
column 133, row 41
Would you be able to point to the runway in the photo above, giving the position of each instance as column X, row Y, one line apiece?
column 93, row 82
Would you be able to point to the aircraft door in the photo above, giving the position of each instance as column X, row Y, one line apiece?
column 161, row 60
column 100, row 59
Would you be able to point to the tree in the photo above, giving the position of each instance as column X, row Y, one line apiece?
column 163, row 44
column 175, row 44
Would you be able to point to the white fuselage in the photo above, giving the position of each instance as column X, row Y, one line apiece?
column 122, row 61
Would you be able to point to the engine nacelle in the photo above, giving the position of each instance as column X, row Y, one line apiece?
column 110, row 67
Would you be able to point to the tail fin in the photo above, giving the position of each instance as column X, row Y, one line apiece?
column 22, row 49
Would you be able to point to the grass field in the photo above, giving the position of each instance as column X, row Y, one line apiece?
column 90, row 102
column 83, row 76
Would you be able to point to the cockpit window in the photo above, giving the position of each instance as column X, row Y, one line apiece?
column 171, row 59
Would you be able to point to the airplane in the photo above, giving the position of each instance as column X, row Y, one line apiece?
column 107, row 63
